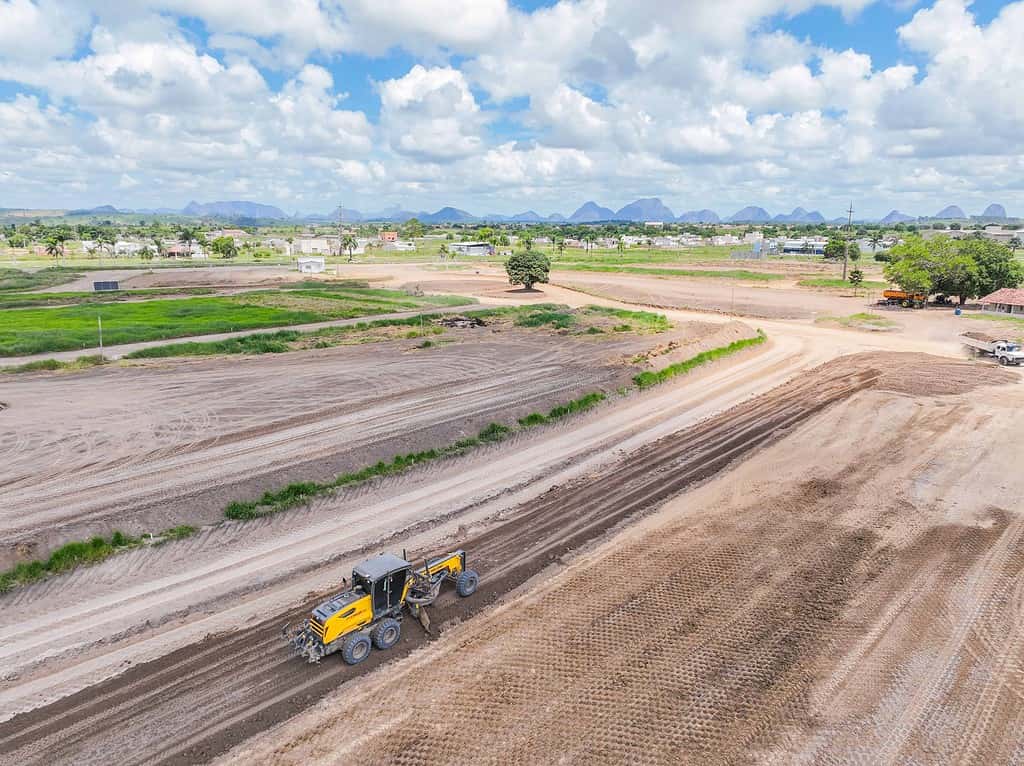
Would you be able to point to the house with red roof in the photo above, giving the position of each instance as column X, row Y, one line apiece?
column 1008, row 300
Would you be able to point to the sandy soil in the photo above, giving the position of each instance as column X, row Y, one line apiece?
column 862, row 606
column 842, row 596
column 173, row 442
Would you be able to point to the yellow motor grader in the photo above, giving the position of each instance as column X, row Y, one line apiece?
column 369, row 613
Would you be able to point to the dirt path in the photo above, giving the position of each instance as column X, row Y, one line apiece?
column 820, row 617
column 194, row 702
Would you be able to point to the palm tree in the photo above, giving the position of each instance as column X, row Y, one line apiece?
column 443, row 251
column 348, row 242
column 589, row 238
column 560, row 246
column 527, row 241
column 53, row 248
column 875, row 240
column 620, row 245
column 158, row 246
column 186, row 236
column 1014, row 244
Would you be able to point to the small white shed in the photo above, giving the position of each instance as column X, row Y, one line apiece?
column 312, row 265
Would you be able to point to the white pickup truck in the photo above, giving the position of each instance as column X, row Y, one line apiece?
column 1006, row 352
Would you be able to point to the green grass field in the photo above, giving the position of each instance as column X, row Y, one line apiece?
column 16, row 279
column 736, row 274
column 37, row 330
column 841, row 283
column 29, row 300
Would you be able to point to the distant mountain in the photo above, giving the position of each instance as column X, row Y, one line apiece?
column 800, row 216
column 951, row 211
column 101, row 210
column 895, row 216
column 556, row 218
column 649, row 209
column 750, row 215
column 699, row 216
column 528, row 217
column 590, row 212
column 994, row 211
column 447, row 215
column 347, row 215
column 232, row 210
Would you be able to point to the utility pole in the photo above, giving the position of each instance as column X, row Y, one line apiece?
column 99, row 324
column 341, row 236
column 846, row 240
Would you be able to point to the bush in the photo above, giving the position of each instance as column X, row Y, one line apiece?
column 494, row 432
column 68, row 556
column 883, row 257
column 533, row 419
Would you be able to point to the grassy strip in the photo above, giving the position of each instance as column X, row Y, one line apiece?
column 81, row 363
column 1016, row 323
column 837, row 282
column 260, row 343
column 84, row 553
column 570, row 408
column 862, row 318
column 299, row 492
column 67, row 557
column 645, row 320
column 29, row 300
column 741, row 274
column 16, row 279
column 650, row 378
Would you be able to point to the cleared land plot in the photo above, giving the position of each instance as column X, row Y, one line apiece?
column 710, row 641
column 16, row 279
column 821, row 617
column 29, row 331
column 166, row 443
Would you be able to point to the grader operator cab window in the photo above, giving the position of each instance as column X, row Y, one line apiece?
column 388, row 593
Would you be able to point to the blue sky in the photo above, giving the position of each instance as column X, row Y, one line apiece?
column 501, row 107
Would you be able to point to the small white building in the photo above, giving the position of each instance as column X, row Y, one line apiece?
column 402, row 245
column 315, row 246
column 312, row 264
column 471, row 248
column 1006, row 300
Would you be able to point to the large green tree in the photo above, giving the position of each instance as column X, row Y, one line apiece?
column 527, row 268
column 966, row 268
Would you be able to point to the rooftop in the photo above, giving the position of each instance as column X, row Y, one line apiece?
column 1008, row 295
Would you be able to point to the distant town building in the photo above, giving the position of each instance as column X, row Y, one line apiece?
column 236, row 234
column 389, row 236
column 1007, row 300
column 804, row 246
column 471, row 248
column 400, row 245
column 654, row 224
column 315, row 246
column 312, row 264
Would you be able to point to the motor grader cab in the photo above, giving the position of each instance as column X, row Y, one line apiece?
column 369, row 613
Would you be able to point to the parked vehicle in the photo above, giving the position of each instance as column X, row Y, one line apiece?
column 904, row 299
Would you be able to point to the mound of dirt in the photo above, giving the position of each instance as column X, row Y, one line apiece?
column 926, row 375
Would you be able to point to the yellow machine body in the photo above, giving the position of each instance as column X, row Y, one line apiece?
column 380, row 589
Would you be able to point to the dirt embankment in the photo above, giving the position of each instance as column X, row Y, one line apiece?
column 199, row 701
column 851, row 608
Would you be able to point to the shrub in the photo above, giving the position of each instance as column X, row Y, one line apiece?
column 883, row 257
column 647, row 379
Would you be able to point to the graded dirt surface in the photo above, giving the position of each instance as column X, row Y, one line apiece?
column 765, row 573
column 798, row 554
column 173, row 441
column 860, row 606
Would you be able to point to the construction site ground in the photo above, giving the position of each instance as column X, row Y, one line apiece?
column 776, row 558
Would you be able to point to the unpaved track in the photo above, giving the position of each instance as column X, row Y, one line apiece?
column 861, row 606
column 201, row 699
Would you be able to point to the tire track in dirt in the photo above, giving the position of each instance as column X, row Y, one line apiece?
column 196, row 711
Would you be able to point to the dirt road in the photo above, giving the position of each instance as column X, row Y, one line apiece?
column 861, row 605
column 195, row 702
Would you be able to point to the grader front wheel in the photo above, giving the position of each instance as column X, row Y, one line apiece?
column 466, row 583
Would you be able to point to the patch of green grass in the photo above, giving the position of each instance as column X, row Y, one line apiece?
column 585, row 402
column 840, row 283
column 30, row 331
column 28, row 300
column 260, row 343
column 68, row 556
column 179, row 532
column 645, row 320
column 1014, row 322
column 651, row 378
column 738, row 274
column 81, row 363
column 539, row 317
column 860, row 319
column 16, row 279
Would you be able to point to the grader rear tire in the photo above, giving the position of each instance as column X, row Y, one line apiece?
column 466, row 583
column 387, row 633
